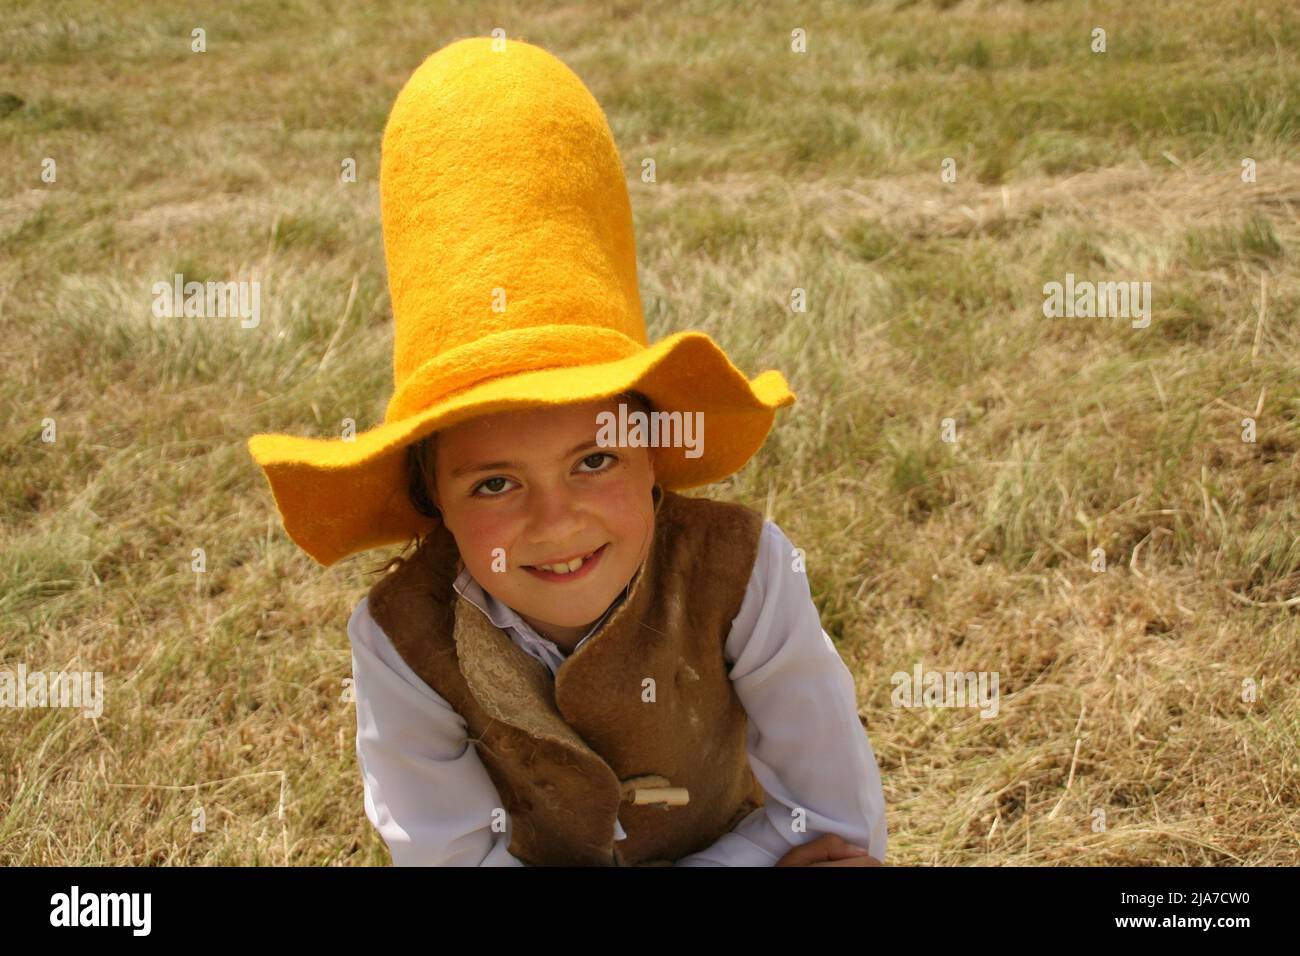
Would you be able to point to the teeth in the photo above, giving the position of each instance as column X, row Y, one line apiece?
column 564, row 568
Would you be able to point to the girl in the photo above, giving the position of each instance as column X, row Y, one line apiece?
column 577, row 665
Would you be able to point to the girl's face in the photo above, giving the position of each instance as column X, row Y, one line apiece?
column 535, row 485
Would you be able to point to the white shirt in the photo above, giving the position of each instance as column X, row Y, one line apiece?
column 431, row 799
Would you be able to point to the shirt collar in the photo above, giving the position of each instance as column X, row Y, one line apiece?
column 505, row 617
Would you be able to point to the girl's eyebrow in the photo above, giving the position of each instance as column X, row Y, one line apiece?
column 493, row 465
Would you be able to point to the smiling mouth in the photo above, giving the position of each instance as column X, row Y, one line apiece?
column 588, row 560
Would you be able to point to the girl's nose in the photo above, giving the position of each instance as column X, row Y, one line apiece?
column 553, row 517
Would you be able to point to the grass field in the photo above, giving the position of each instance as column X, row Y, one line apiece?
column 1121, row 691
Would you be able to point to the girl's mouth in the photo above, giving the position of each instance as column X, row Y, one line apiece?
column 588, row 563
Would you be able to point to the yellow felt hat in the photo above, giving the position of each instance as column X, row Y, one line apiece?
column 512, row 272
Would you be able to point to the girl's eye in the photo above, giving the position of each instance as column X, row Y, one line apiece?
column 499, row 491
column 484, row 484
column 599, row 454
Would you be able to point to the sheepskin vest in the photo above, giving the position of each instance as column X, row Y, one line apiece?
column 644, row 708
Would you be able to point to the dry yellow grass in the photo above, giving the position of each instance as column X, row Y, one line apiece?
column 1121, row 691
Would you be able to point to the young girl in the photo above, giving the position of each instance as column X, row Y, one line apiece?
column 577, row 665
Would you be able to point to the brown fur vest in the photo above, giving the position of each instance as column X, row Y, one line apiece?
column 566, row 754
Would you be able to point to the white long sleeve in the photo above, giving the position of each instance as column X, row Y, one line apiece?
column 806, row 745
column 431, row 798
column 426, row 791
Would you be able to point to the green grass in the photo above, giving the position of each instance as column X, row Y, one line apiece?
column 774, row 171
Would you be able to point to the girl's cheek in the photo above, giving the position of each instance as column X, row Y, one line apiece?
column 482, row 534
column 626, row 506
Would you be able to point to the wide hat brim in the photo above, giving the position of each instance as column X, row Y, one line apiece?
column 337, row 497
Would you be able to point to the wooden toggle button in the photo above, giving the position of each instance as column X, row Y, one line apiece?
column 653, row 789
